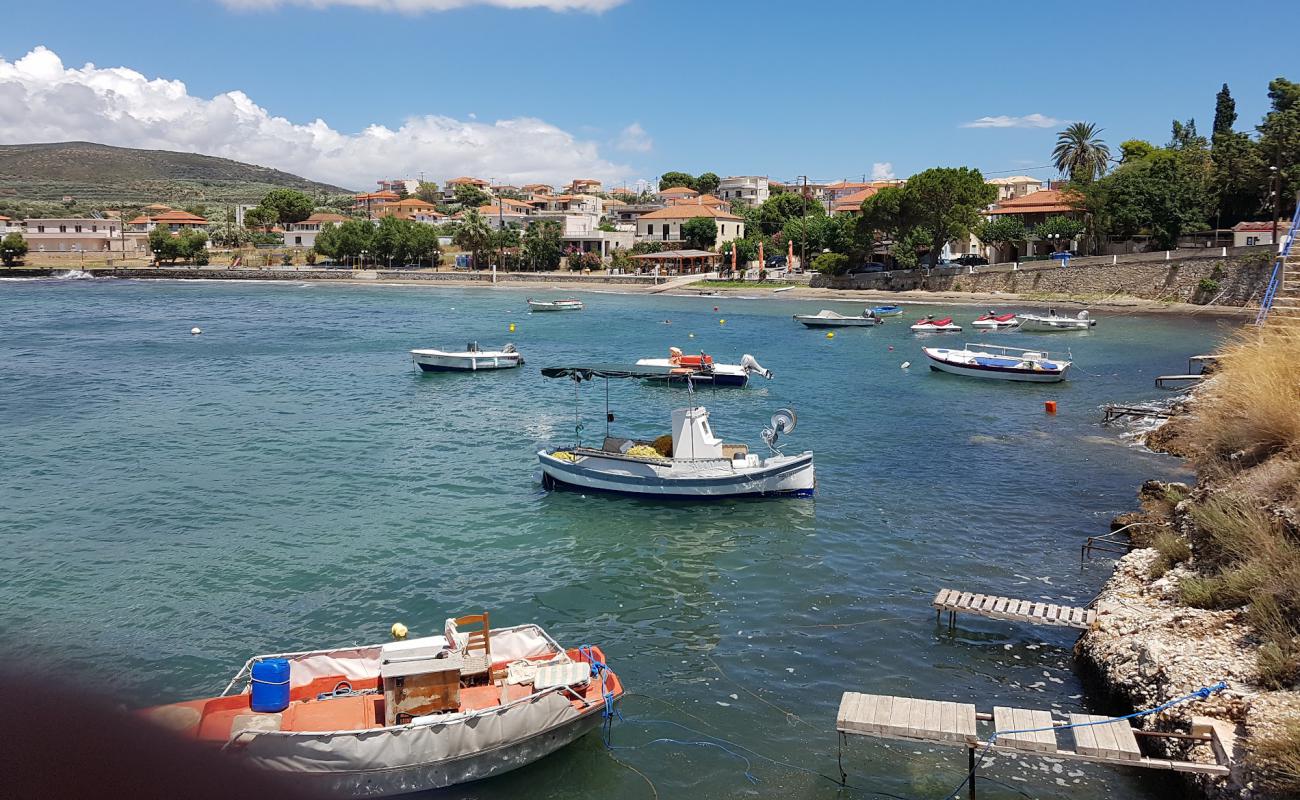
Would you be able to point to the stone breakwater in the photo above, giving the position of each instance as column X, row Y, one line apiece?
column 1236, row 280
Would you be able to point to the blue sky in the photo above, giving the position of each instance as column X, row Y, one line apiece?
column 825, row 89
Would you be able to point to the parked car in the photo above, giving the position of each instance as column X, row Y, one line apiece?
column 971, row 260
column 775, row 262
column 862, row 269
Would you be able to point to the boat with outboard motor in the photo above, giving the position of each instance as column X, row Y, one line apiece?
column 407, row 716
column 932, row 325
column 887, row 311
column 1053, row 322
column 471, row 359
column 690, row 463
column 993, row 320
column 998, row 363
column 831, row 319
column 703, row 369
column 569, row 304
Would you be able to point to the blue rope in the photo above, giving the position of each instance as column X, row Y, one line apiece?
column 600, row 670
column 1202, row 693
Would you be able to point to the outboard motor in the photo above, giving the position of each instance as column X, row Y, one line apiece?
column 749, row 364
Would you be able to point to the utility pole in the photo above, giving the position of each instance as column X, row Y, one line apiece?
column 803, row 244
column 1276, row 169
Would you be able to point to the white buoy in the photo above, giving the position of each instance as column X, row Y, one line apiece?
column 906, row 364
column 196, row 330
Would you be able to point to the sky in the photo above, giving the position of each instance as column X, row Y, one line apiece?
column 521, row 91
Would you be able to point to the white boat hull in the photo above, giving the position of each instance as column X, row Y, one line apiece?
column 536, row 306
column 1054, row 324
column 936, row 329
column 681, row 478
column 436, row 361
column 991, row 324
column 816, row 321
column 996, row 373
column 433, row 772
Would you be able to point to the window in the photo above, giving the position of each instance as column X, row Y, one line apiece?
column 94, row 229
column 77, row 228
column 40, row 229
column 297, row 240
column 63, row 229
column 1251, row 241
column 650, row 229
column 724, row 229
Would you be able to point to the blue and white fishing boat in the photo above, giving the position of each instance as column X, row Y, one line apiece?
column 994, row 362
column 691, row 463
column 886, row 311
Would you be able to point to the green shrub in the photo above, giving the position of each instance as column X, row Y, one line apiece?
column 1172, row 549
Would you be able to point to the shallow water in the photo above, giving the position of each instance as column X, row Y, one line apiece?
column 176, row 503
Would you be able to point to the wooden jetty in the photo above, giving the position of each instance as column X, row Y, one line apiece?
column 1114, row 411
column 1009, row 608
column 1164, row 381
column 1027, row 732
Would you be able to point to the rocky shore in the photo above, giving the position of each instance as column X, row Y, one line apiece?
column 1160, row 634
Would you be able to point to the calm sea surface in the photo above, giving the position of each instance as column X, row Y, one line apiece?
column 174, row 504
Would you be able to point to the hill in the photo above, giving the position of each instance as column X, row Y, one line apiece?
column 97, row 173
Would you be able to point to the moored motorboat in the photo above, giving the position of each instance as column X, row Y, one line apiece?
column 831, row 319
column 569, row 304
column 703, row 369
column 998, row 363
column 887, row 311
column 994, row 320
column 932, row 325
column 471, row 359
column 1053, row 322
column 408, row 716
column 690, row 463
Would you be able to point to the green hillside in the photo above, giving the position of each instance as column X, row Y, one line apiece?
column 95, row 173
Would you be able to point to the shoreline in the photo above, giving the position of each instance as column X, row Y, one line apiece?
column 795, row 292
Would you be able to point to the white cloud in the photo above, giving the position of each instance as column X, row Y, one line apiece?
column 1027, row 121
column 119, row 106
column 421, row 6
column 882, row 171
column 634, row 139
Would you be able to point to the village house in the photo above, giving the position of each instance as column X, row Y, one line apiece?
column 534, row 191
column 703, row 200
column 174, row 221
column 1249, row 234
column 749, row 189
column 409, row 208
column 674, row 193
column 665, row 224
column 399, row 186
column 1015, row 186
column 79, row 234
column 583, row 186
column 371, row 202
column 303, row 234
column 1033, row 209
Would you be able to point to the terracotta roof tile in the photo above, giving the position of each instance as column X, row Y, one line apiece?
column 1047, row 201
column 688, row 210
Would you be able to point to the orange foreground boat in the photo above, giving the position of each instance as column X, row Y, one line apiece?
column 410, row 715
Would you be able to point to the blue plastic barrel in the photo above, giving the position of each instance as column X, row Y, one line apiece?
column 270, row 685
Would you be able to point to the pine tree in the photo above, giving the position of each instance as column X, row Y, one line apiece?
column 1225, row 111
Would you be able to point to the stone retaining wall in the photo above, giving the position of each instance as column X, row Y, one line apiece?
column 1241, row 280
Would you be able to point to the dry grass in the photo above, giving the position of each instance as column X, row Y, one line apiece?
column 1251, row 410
column 1172, row 549
column 1277, row 756
column 1246, row 557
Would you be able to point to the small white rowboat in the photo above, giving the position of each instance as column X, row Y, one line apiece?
column 831, row 319
column 998, row 363
column 471, row 359
column 1052, row 322
column 554, row 305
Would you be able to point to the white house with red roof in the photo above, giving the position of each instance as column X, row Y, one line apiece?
column 1249, row 234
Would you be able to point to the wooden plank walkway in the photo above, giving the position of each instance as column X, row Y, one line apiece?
column 1162, row 381
column 1020, row 730
column 1114, row 411
column 1009, row 608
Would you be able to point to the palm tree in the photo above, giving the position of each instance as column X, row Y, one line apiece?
column 473, row 234
column 1080, row 152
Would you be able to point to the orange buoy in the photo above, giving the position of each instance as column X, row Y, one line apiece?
column 1049, row 406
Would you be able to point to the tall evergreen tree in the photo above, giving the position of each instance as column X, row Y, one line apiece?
column 1225, row 112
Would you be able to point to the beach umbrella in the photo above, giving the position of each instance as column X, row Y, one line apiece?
column 789, row 258
column 761, row 262
column 733, row 256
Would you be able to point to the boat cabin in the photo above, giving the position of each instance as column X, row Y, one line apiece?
column 692, row 436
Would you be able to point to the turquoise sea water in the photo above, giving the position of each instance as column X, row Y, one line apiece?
column 174, row 504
